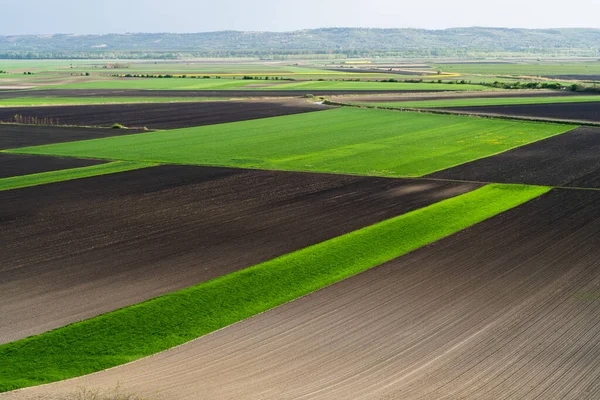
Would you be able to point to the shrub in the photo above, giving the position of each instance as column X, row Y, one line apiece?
column 117, row 126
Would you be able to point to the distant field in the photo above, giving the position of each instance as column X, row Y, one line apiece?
column 541, row 69
column 345, row 140
column 225, row 84
column 158, row 84
column 485, row 101
column 341, row 85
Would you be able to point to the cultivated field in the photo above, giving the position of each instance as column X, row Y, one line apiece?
column 259, row 250
column 15, row 165
column 351, row 141
column 583, row 112
column 163, row 115
column 476, row 102
column 203, row 212
column 506, row 309
column 14, row 136
column 570, row 159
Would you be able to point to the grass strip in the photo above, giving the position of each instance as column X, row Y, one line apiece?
column 133, row 332
column 16, row 182
column 344, row 141
column 484, row 102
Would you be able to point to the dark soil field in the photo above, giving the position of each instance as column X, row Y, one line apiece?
column 15, row 136
column 10, row 94
column 583, row 112
column 507, row 309
column 569, row 159
column 163, row 115
column 16, row 164
column 577, row 77
column 75, row 249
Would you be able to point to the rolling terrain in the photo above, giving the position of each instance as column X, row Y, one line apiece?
column 505, row 309
column 123, row 249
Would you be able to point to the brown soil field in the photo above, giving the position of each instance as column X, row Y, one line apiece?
column 73, row 250
column 10, row 94
column 387, row 98
column 163, row 115
column 15, row 136
column 507, row 309
column 570, row 159
column 577, row 77
column 582, row 112
column 16, row 164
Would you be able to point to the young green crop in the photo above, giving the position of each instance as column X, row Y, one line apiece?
column 167, row 321
column 16, row 182
column 484, row 102
column 345, row 140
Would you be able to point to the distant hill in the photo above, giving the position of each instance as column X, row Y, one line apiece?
column 347, row 41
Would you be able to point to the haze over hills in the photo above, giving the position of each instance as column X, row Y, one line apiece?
column 345, row 41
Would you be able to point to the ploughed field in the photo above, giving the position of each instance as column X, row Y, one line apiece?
column 441, row 292
column 14, row 136
column 161, row 115
column 15, row 164
column 505, row 309
column 73, row 250
column 571, row 159
column 581, row 112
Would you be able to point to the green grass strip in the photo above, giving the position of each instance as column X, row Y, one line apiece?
column 133, row 332
column 16, row 182
column 485, row 102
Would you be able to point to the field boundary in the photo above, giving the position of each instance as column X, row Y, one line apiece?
column 164, row 322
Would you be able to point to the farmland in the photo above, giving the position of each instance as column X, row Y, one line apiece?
column 184, row 315
column 163, row 115
column 352, row 141
column 13, row 136
column 582, row 112
column 564, row 160
column 260, row 244
column 452, row 320
column 15, row 165
column 261, row 214
column 475, row 102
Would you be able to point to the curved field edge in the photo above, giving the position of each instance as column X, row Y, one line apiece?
column 164, row 322
column 348, row 140
column 42, row 178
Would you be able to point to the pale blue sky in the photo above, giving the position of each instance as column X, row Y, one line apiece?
column 119, row 16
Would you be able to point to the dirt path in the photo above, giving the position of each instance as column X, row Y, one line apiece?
column 73, row 250
column 508, row 309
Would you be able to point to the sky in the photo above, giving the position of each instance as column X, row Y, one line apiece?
column 121, row 16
